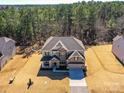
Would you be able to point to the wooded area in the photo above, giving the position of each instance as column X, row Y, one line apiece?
column 92, row 22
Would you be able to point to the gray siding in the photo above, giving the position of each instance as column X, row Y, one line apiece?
column 8, row 50
column 118, row 49
column 79, row 59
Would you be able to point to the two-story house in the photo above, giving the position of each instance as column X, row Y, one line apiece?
column 65, row 52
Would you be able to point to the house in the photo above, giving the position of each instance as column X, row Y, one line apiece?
column 63, row 52
column 7, row 50
column 118, row 47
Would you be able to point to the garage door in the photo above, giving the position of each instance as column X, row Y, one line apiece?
column 75, row 65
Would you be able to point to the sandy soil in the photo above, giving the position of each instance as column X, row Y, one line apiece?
column 30, row 69
column 105, row 73
column 10, row 70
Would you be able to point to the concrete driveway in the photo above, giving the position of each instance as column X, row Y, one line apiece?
column 77, row 81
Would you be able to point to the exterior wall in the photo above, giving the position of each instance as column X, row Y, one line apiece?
column 73, row 59
column 8, row 50
column 2, row 42
column 3, row 61
column 63, row 62
column 75, row 66
column 51, row 64
column 44, row 53
column 118, row 49
column 72, row 63
column 14, row 51
column 43, row 65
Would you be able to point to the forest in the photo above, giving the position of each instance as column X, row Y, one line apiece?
column 91, row 22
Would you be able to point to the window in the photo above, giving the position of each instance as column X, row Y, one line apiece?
column 46, row 53
column 75, row 58
column 62, row 62
column 46, row 63
column 55, row 53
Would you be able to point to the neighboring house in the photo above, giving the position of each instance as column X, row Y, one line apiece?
column 67, row 52
column 7, row 50
column 118, row 47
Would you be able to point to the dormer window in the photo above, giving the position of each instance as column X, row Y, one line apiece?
column 75, row 58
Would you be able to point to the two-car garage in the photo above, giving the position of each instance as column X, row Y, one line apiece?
column 75, row 65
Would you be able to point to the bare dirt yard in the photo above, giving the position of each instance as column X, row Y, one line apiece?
column 105, row 74
column 23, row 69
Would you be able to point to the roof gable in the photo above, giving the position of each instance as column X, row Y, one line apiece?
column 54, row 59
column 117, row 38
column 76, row 54
column 59, row 45
column 48, row 58
column 68, row 43
column 4, row 41
column 8, row 39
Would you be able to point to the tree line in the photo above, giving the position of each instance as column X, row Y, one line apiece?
column 92, row 22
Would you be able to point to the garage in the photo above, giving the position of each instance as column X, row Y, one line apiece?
column 75, row 65
column 76, row 73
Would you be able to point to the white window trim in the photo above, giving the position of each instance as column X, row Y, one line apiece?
column 76, row 56
column 61, row 44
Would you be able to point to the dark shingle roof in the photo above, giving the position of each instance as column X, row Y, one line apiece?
column 7, row 39
column 48, row 58
column 70, row 43
column 117, row 38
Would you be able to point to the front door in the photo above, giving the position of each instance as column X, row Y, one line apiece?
column 54, row 65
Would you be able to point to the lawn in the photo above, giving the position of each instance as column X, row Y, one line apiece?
column 105, row 73
column 23, row 69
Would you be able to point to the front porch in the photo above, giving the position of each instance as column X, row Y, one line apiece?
column 54, row 64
